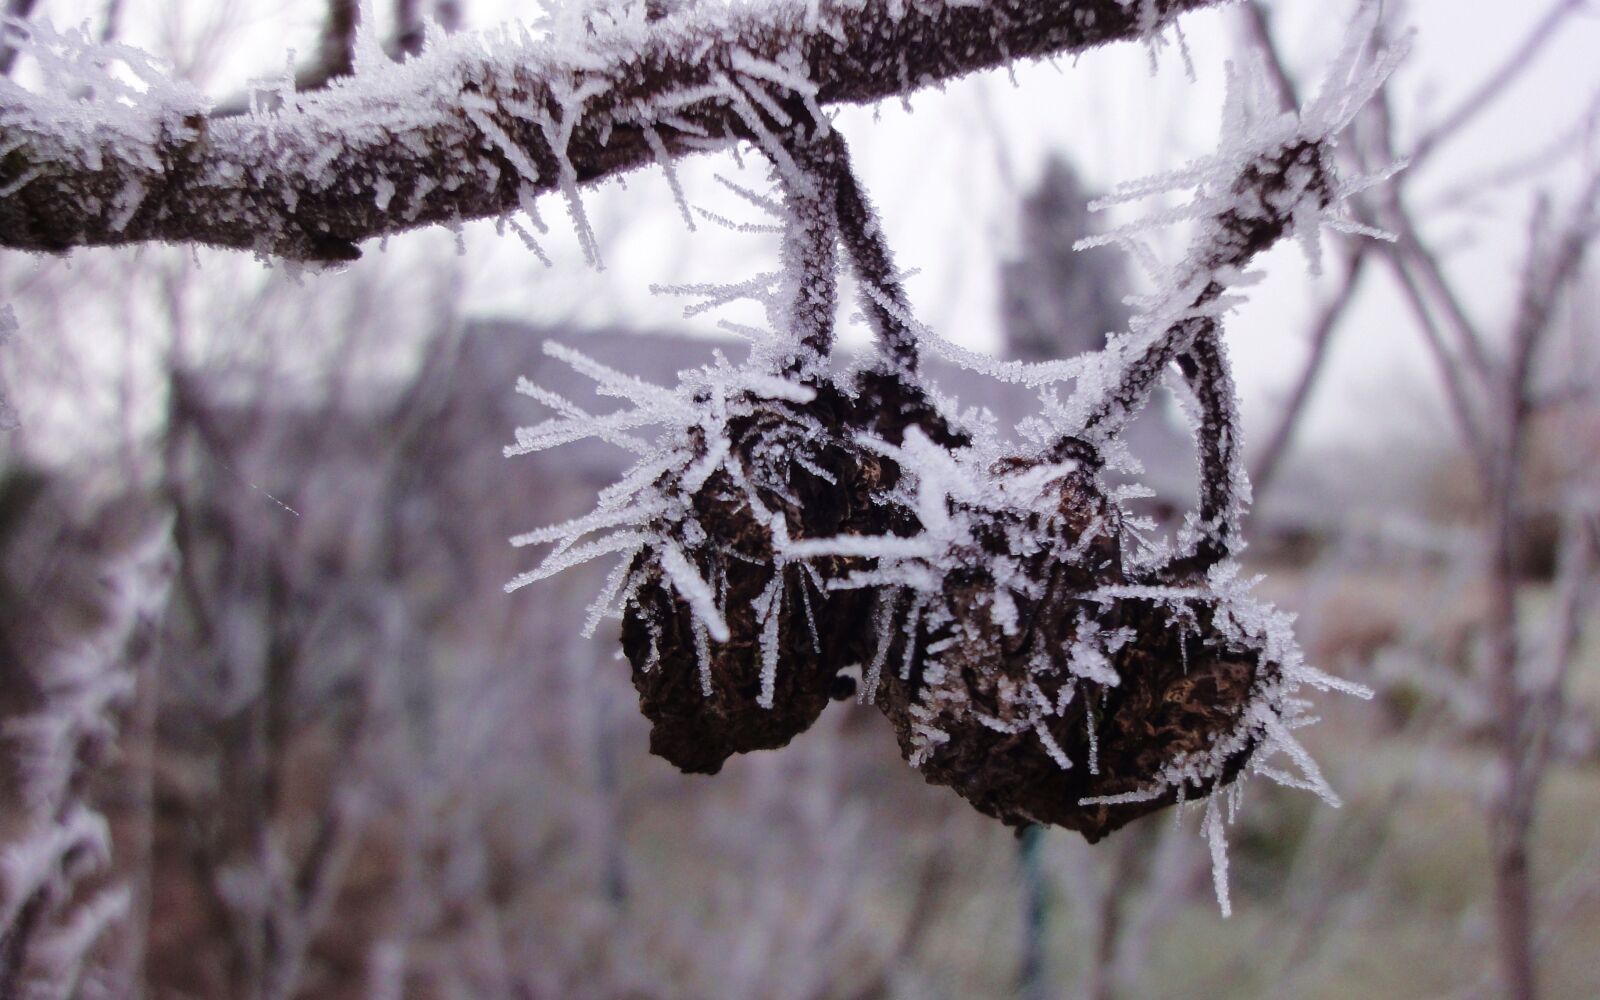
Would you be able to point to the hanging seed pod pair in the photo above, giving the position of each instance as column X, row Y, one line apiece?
column 1030, row 653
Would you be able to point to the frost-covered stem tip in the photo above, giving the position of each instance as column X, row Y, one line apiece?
column 1223, row 487
column 1261, row 209
column 473, row 126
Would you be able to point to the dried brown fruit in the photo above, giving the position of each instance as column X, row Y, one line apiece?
column 770, row 680
column 1075, row 694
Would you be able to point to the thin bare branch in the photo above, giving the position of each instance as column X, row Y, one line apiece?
column 1554, row 261
column 336, row 43
column 1497, row 83
column 1549, row 275
column 1327, row 321
column 408, row 27
column 1520, row 168
column 334, row 58
column 1577, row 591
column 1418, row 256
column 18, row 10
column 111, row 21
column 1258, row 30
column 448, row 13
column 1459, row 392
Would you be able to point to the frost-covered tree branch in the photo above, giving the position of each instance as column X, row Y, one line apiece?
column 474, row 126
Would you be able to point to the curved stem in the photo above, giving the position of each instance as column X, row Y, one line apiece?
column 1223, row 486
column 1264, row 204
column 1259, row 210
column 827, row 203
column 810, row 250
column 883, row 296
column 1141, row 376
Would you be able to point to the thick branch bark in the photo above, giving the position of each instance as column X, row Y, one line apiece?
column 458, row 134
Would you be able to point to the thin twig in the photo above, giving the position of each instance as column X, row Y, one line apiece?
column 1272, row 454
column 1495, row 84
column 335, row 56
column 17, row 10
column 1258, row 30
column 1418, row 256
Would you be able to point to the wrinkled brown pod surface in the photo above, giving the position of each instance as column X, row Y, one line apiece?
column 695, row 731
column 698, row 732
column 1181, row 688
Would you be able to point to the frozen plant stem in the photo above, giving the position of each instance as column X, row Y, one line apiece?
column 1257, row 217
column 1222, row 484
column 886, row 304
column 810, row 249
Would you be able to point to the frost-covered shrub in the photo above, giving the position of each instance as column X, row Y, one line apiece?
column 1032, row 642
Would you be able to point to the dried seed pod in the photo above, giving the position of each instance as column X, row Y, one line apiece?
column 787, row 632
column 707, row 700
column 1029, row 696
column 1179, row 695
column 769, row 675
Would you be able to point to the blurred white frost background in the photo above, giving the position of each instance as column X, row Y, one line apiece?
column 349, row 765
